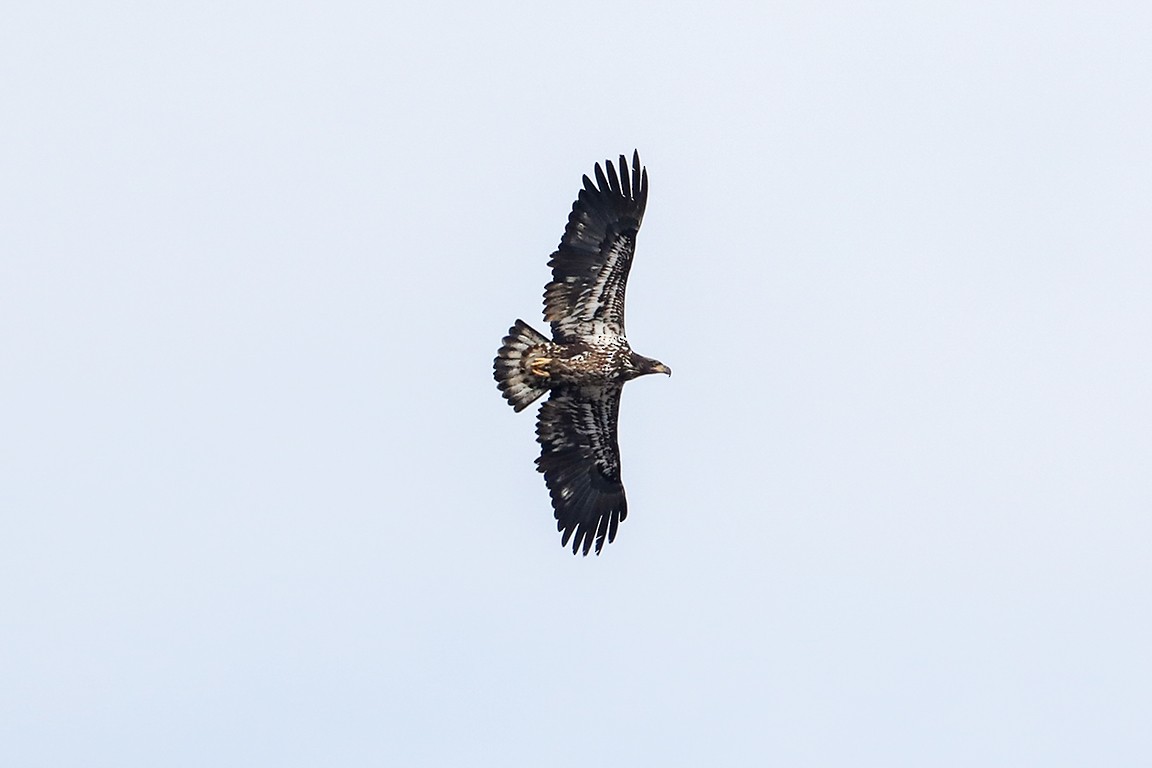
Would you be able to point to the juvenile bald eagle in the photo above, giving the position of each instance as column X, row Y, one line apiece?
column 586, row 362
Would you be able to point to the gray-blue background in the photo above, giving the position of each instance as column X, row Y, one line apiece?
column 263, row 506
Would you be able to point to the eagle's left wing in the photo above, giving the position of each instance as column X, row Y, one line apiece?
column 580, row 459
column 590, row 267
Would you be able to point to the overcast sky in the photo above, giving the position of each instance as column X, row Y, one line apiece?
column 261, row 503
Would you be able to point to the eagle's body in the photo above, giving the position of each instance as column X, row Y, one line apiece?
column 598, row 361
column 585, row 364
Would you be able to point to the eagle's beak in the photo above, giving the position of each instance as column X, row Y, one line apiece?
column 661, row 368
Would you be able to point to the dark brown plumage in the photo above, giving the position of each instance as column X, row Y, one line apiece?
column 586, row 362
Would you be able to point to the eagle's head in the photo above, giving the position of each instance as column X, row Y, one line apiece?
column 641, row 366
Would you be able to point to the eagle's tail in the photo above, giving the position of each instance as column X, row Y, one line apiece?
column 514, row 381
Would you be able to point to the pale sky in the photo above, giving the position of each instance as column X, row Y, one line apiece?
column 261, row 503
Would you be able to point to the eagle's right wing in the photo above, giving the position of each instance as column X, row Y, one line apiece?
column 580, row 459
column 590, row 267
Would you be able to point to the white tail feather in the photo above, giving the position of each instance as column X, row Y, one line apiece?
column 519, row 387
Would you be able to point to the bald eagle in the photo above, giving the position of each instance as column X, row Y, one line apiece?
column 586, row 362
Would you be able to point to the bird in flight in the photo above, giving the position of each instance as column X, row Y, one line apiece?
column 586, row 362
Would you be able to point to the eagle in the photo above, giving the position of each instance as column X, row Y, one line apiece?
column 584, row 365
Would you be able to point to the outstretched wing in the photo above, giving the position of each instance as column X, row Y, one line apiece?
column 580, row 460
column 590, row 268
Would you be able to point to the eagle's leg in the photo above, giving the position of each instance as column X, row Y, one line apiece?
column 538, row 367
